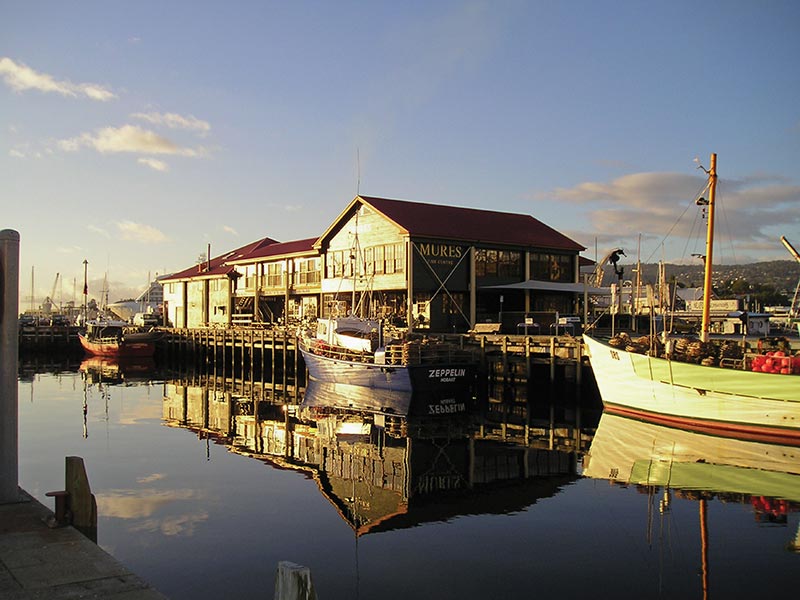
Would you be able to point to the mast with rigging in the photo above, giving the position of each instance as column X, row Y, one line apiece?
column 712, row 186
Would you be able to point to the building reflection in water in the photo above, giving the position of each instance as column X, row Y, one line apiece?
column 384, row 471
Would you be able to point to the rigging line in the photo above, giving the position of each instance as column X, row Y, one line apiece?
column 693, row 235
column 718, row 201
column 706, row 185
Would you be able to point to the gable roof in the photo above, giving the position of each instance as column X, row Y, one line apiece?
column 219, row 265
column 467, row 224
column 293, row 247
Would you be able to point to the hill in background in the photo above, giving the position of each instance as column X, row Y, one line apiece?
column 781, row 275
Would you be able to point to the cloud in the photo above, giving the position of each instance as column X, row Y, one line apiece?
column 651, row 190
column 128, row 138
column 137, row 232
column 100, row 230
column 151, row 478
column 660, row 206
column 154, row 163
column 20, row 78
column 229, row 229
column 68, row 249
column 175, row 121
column 179, row 525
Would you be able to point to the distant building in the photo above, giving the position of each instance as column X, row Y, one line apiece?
column 427, row 266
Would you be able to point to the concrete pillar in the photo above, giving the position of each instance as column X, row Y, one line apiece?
column 9, row 357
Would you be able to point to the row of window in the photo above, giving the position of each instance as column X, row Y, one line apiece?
column 499, row 263
column 390, row 258
column 375, row 260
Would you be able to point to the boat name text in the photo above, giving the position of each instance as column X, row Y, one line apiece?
column 446, row 375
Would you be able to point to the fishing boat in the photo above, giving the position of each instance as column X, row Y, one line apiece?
column 350, row 350
column 117, row 339
column 748, row 400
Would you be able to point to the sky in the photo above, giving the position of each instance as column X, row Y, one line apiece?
column 135, row 134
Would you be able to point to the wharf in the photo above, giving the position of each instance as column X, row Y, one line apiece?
column 38, row 562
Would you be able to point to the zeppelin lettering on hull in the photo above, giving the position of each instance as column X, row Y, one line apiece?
column 446, row 375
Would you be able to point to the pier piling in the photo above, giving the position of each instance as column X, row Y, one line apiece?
column 9, row 358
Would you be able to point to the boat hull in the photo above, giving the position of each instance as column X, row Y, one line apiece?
column 118, row 349
column 396, row 378
column 333, row 370
column 726, row 402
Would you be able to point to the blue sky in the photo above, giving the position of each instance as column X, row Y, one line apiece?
column 134, row 134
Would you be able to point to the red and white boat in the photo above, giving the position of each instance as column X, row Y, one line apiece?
column 118, row 340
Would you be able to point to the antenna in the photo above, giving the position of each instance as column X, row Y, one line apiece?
column 358, row 171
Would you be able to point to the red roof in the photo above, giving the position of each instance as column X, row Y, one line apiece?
column 218, row 265
column 471, row 224
column 279, row 249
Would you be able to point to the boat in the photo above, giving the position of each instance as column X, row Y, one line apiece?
column 118, row 340
column 350, row 350
column 736, row 395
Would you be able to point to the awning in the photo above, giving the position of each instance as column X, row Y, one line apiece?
column 552, row 286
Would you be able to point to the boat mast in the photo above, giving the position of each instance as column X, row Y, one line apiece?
column 712, row 187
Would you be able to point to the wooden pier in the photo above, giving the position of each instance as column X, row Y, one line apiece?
column 268, row 357
column 49, row 337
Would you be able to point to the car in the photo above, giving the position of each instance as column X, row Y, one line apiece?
column 27, row 320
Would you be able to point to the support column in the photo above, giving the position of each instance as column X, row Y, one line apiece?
column 527, row 271
column 9, row 358
column 410, row 284
column 473, row 289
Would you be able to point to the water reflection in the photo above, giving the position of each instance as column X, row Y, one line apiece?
column 664, row 463
column 494, row 488
column 383, row 470
column 132, row 371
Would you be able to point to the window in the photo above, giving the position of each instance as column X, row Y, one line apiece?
column 552, row 267
column 390, row 264
column 399, row 258
column 500, row 263
column 274, row 274
column 369, row 261
column 309, row 271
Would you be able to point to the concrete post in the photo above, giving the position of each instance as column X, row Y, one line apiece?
column 9, row 357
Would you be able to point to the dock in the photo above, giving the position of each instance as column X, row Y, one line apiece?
column 39, row 562
column 270, row 354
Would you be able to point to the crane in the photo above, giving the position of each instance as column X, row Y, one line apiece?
column 793, row 252
column 50, row 302
column 612, row 257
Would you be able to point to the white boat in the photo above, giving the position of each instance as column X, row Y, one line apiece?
column 349, row 350
column 725, row 401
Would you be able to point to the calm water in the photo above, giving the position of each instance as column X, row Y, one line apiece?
column 203, row 500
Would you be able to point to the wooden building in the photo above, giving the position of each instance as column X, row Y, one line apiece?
column 430, row 267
